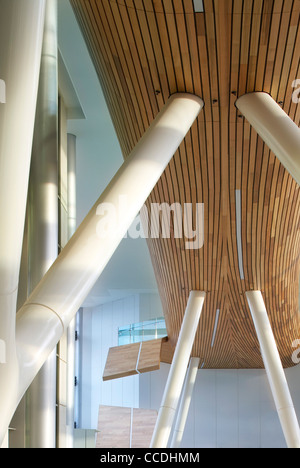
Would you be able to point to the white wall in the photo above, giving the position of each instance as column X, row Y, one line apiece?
column 99, row 333
column 150, row 306
column 229, row 408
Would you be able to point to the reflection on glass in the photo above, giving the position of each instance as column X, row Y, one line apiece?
column 143, row 331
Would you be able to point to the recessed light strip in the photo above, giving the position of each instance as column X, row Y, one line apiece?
column 238, row 207
column 198, row 6
column 215, row 327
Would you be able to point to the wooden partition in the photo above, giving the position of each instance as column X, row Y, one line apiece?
column 133, row 359
column 125, row 427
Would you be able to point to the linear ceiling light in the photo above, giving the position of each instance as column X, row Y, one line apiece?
column 215, row 327
column 198, row 6
column 238, row 208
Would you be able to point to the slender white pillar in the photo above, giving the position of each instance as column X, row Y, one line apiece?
column 185, row 401
column 274, row 369
column 72, row 327
column 21, row 34
column 178, row 370
column 43, row 225
column 50, row 308
column 275, row 127
column 71, row 185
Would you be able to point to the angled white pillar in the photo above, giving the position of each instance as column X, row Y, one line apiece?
column 275, row 127
column 274, row 369
column 43, row 226
column 178, row 370
column 185, row 401
column 21, row 35
column 47, row 313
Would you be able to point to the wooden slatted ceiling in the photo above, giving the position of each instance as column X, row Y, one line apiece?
column 146, row 50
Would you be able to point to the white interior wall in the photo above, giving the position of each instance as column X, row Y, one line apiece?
column 100, row 332
column 229, row 408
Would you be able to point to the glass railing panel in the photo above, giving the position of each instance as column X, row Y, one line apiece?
column 142, row 331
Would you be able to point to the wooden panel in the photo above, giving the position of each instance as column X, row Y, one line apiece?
column 150, row 355
column 143, row 424
column 123, row 361
column 114, row 425
column 144, row 51
column 125, row 427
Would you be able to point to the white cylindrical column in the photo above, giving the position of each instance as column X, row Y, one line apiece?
column 43, row 226
column 274, row 369
column 5, row 443
column 21, row 34
column 71, row 184
column 185, row 401
column 54, row 302
column 178, row 370
column 72, row 327
column 275, row 127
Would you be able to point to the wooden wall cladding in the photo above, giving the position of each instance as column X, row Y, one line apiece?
column 125, row 427
column 146, row 50
column 133, row 359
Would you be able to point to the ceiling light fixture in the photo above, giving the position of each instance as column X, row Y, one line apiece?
column 215, row 328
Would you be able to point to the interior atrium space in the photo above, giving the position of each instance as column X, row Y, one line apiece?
column 149, row 225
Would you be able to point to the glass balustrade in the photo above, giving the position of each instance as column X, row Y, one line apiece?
column 143, row 331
